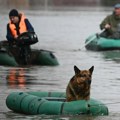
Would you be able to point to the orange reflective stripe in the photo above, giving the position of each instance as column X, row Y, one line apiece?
column 22, row 26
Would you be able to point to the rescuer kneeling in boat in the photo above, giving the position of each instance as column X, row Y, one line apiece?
column 18, row 24
column 111, row 24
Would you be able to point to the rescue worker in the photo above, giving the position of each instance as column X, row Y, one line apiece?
column 111, row 24
column 19, row 24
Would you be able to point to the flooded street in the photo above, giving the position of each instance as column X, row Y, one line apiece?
column 64, row 33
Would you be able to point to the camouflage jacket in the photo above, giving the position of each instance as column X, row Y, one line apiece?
column 114, row 21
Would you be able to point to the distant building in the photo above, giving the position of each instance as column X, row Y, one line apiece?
column 14, row 3
column 74, row 2
column 26, row 4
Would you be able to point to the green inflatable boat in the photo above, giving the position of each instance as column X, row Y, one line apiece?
column 98, row 43
column 19, row 53
column 52, row 103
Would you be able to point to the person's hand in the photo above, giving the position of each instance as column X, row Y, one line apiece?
column 107, row 26
column 16, row 36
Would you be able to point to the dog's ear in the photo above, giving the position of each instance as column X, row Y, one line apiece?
column 91, row 69
column 76, row 69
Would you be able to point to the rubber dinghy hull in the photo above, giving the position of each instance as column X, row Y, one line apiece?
column 10, row 56
column 52, row 103
column 98, row 43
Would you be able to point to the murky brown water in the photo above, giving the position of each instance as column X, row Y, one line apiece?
column 64, row 33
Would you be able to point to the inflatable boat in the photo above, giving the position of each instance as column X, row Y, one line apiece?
column 19, row 53
column 52, row 103
column 98, row 43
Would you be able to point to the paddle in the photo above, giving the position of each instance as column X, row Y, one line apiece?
column 97, row 35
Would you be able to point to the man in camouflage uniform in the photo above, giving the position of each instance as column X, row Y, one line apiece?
column 111, row 24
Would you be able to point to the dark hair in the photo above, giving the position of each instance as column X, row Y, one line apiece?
column 13, row 12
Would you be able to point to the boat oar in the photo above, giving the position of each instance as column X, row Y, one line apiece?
column 97, row 35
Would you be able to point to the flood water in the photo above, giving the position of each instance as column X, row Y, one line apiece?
column 64, row 33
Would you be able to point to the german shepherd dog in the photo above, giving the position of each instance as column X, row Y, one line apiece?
column 79, row 86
